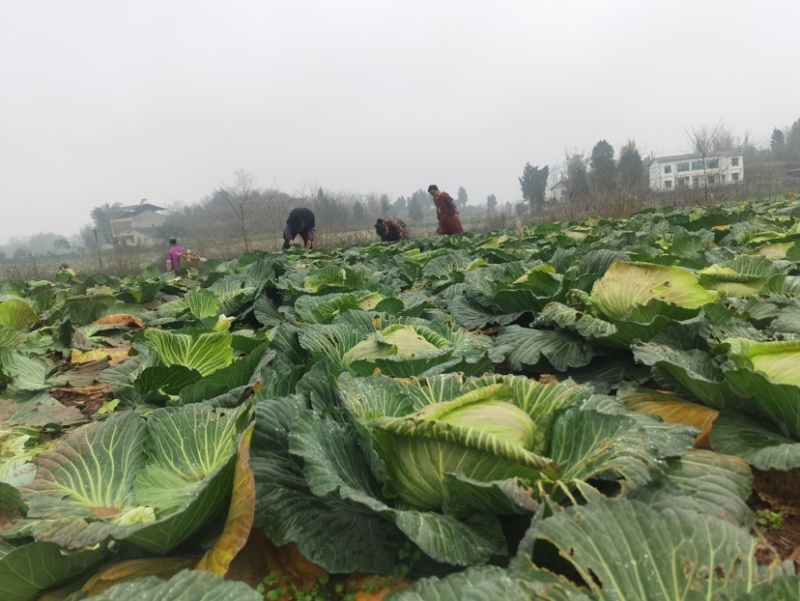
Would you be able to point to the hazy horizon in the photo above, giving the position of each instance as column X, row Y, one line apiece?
column 114, row 102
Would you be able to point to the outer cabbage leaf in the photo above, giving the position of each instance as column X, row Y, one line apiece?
column 205, row 353
column 338, row 535
column 202, row 303
column 152, row 482
column 28, row 569
column 490, row 583
column 627, row 285
column 769, row 372
column 519, row 346
column 188, row 585
column 323, row 309
column 623, row 549
column 27, row 374
column 761, row 446
column 17, row 314
column 705, row 482
column 696, row 370
column 589, row 445
column 362, row 342
column 779, row 589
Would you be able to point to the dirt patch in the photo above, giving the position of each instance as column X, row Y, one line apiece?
column 776, row 498
column 88, row 398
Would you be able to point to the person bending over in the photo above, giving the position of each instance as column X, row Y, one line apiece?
column 391, row 229
column 446, row 212
column 299, row 223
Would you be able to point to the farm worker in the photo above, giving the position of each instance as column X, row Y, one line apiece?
column 446, row 212
column 174, row 255
column 299, row 223
column 65, row 273
column 391, row 229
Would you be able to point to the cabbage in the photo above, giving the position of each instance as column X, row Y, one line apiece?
column 481, row 436
column 394, row 341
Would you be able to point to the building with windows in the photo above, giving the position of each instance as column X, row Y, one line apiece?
column 693, row 171
column 137, row 225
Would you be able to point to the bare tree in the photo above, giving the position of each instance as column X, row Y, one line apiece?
column 706, row 140
column 241, row 198
column 275, row 208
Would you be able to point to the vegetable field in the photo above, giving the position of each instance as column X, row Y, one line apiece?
column 574, row 411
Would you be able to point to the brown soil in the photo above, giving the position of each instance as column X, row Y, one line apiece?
column 88, row 398
column 779, row 492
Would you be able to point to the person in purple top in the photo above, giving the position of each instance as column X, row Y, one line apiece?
column 299, row 223
column 174, row 255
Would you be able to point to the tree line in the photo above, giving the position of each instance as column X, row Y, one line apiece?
column 240, row 215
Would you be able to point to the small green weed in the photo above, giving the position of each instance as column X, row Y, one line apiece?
column 279, row 588
column 769, row 519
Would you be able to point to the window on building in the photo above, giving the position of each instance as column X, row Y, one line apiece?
column 695, row 182
column 711, row 179
column 735, row 177
column 668, row 169
column 722, row 178
column 668, row 183
column 682, row 182
column 683, row 166
column 712, row 163
column 735, row 161
column 697, row 165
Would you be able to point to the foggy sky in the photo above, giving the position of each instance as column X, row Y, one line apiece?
column 112, row 101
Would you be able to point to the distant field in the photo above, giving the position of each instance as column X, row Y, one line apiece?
column 127, row 261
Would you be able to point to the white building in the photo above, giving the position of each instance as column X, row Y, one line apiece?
column 691, row 171
column 558, row 192
column 136, row 225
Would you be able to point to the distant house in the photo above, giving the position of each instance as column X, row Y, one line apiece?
column 693, row 171
column 136, row 225
column 557, row 192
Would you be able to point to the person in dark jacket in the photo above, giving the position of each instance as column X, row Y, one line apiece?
column 446, row 211
column 391, row 229
column 299, row 223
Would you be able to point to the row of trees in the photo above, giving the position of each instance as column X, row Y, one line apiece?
column 587, row 180
column 242, row 214
column 785, row 142
column 239, row 213
column 601, row 183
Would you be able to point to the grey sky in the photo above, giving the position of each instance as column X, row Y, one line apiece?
column 109, row 101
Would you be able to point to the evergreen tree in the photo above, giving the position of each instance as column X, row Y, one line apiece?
column 577, row 179
column 491, row 202
column 631, row 168
column 358, row 211
column 400, row 207
column 793, row 142
column 415, row 211
column 777, row 143
column 462, row 199
column 534, row 185
column 603, row 174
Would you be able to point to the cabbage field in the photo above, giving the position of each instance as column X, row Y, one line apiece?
column 573, row 411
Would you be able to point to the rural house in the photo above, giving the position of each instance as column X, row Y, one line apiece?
column 694, row 171
column 558, row 192
column 137, row 225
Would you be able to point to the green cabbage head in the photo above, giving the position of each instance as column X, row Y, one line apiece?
column 481, row 436
column 396, row 340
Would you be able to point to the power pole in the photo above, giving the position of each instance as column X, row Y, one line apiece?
column 97, row 246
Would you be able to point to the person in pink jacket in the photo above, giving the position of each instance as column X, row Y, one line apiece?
column 174, row 255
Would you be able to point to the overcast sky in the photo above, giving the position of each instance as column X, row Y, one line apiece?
column 109, row 101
